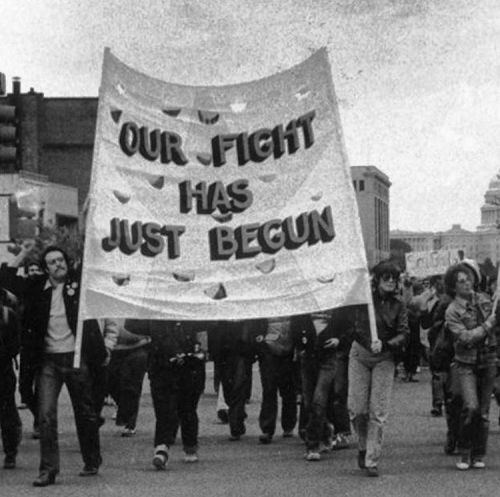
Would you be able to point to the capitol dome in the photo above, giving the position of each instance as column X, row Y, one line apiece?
column 490, row 211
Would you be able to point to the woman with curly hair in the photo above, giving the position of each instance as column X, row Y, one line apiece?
column 471, row 319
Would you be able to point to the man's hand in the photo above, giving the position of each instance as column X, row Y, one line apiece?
column 491, row 321
column 331, row 343
column 26, row 247
column 376, row 346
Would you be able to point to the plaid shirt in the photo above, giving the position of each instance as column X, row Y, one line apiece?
column 473, row 344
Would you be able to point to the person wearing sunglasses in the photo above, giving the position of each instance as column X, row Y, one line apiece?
column 472, row 321
column 372, row 364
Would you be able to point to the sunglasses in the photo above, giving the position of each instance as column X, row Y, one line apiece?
column 388, row 277
column 464, row 280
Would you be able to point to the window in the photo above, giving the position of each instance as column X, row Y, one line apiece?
column 361, row 185
column 355, row 183
column 69, row 222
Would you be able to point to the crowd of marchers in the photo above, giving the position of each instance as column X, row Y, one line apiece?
column 329, row 369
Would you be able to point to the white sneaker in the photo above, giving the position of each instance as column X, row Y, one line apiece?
column 478, row 464
column 128, row 432
column 189, row 458
column 312, row 455
column 160, row 458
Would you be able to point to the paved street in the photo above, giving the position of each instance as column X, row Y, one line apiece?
column 413, row 460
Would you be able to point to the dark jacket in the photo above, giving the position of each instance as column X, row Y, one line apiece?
column 9, row 336
column 237, row 337
column 392, row 323
column 38, row 298
column 311, row 344
column 172, row 342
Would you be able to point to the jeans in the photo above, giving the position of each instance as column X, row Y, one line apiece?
column 236, row 370
column 27, row 383
column 10, row 423
column 175, row 391
column 476, row 386
column 125, row 377
column 337, row 411
column 438, row 380
column 58, row 369
column 277, row 375
column 317, row 380
column 371, row 377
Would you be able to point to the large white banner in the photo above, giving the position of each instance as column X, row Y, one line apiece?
column 221, row 202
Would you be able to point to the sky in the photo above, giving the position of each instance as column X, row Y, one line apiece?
column 417, row 81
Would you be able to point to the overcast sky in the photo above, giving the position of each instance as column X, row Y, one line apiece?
column 418, row 81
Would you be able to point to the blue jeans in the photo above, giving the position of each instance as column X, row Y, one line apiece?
column 58, row 369
column 371, row 377
column 317, row 380
column 476, row 386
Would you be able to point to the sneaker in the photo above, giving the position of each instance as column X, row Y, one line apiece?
column 312, row 455
column 340, row 442
column 266, row 438
column 234, row 438
column 372, row 471
column 325, row 447
column 128, row 432
column 89, row 471
column 478, row 463
column 464, row 463
column 288, row 434
column 437, row 412
column 189, row 458
column 160, row 458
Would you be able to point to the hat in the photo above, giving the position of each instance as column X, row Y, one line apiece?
column 474, row 266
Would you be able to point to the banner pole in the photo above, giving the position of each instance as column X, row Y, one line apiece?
column 88, row 211
column 373, row 322
column 78, row 344
column 495, row 300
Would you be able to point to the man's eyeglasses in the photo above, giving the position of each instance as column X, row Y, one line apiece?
column 464, row 280
column 56, row 260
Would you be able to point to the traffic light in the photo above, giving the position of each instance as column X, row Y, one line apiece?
column 9, row 134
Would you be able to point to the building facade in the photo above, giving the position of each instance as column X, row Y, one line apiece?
column 482, row 244
column 372, row 192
